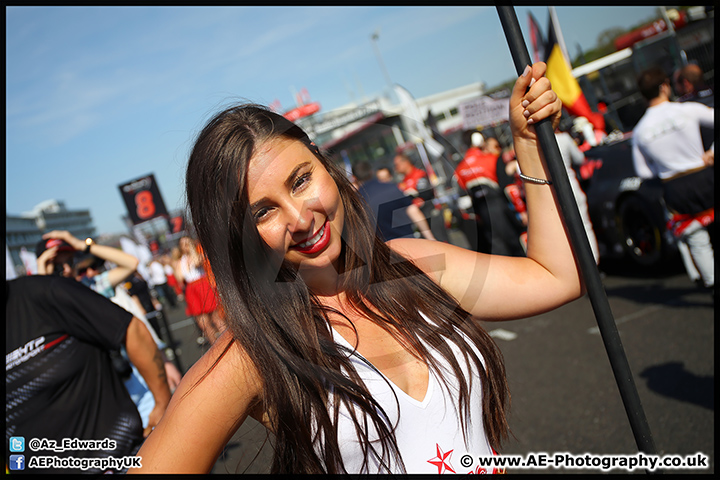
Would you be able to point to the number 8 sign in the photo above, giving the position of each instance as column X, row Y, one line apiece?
column 143, row 200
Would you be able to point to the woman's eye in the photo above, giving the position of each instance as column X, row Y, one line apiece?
column 260, row 213
column 301, row 181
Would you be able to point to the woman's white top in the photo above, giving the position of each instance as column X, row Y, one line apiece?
column 429, row 433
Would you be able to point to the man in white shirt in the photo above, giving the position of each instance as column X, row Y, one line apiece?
column 667, row 144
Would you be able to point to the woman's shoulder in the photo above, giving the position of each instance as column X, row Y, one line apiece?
column 224, row 381
column 411, row 248
column 414, row 248
column 226, row 360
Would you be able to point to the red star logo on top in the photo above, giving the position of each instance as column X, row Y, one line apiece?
column 442, row 461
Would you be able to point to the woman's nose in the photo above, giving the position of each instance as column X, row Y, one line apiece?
column 301, row 218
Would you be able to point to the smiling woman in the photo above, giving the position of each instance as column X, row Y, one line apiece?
column 358, row 355
column 296, row 204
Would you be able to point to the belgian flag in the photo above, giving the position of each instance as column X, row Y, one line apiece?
column 563, row 82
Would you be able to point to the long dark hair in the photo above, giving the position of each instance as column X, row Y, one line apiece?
column 284, row 328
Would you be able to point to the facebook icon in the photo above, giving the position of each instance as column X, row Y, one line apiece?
column 17, row 462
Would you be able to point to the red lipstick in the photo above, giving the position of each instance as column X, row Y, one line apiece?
column 319, row 243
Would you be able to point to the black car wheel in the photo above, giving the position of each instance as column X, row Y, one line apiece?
column 641, row 236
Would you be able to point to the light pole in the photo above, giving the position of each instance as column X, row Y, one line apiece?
column 374, row 37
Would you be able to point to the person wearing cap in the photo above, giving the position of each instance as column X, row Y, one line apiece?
column 58, row 249
column 477, row 173
column 58, row 254
column 590, row 135
column 55, row 256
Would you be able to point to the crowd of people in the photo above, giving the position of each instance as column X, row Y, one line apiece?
column 87, row 353
column 335, row 310
column 487, row 174
column 86, row 364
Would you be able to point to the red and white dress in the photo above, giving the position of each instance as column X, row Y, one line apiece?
column 200, row 297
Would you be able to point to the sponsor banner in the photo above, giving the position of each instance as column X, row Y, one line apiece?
column 484, row 111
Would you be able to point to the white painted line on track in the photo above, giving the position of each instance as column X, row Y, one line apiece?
column 182, row 324
column 503, row 334
column 630, row 316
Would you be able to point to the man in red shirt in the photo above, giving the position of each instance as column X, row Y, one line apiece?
column 416, row 184
column 478, row 166
column 477, row 173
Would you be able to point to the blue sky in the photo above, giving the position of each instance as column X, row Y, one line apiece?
column 99, row 96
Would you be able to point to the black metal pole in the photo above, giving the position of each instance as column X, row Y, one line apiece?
column 581, row 248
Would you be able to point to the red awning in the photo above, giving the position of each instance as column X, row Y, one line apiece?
column 302, row 111
column 630, row 38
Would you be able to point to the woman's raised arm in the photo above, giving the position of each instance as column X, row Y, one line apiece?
column 494, row 287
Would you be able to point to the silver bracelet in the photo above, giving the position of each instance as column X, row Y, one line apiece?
column 538, row 181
